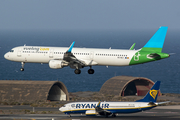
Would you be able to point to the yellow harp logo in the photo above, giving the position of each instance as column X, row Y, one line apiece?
column 153, row 93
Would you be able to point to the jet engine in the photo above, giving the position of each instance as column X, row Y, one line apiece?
column 91, row 113
column 57, row 64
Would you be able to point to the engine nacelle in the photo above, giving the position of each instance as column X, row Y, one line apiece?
column 91, row 113
column 56, row 64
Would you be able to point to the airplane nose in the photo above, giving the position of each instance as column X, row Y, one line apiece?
column 60, row 109
column 6, row 56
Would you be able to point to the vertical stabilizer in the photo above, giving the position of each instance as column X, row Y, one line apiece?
column 151, row 96
column 157, row 40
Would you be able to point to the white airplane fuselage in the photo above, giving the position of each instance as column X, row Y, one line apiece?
column 42, row 54
column 112, row 107
column 77, row 58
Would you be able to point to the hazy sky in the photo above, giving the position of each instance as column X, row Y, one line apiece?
column 89, row 14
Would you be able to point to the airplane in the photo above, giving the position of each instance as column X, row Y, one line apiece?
column 113, row 108
column 77, row 58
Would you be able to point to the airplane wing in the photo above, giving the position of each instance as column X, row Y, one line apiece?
column 101, row 111
column 71, row 59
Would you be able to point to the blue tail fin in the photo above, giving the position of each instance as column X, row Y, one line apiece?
column 157, row 40
column 151, row 96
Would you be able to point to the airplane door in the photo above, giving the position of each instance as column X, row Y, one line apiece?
column 19, row 52
column 51, row 53
column 139, row 106
column 69, row 107
column 91, row 55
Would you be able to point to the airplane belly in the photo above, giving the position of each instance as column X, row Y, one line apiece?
column 113, row 62
column 38, row 58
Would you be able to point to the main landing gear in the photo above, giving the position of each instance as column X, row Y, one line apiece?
column 22, row 64
column 78, row 71
column 91, row 71
column 113, row 115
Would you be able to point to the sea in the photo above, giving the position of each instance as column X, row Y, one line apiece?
column 166, row 70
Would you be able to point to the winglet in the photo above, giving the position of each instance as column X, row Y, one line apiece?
column 98, row 105
column 132, row 47
column 151, row 96
column 70, row 47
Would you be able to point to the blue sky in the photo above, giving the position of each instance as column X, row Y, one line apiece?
column 89, row 14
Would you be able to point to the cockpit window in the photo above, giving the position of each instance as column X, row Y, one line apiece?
column 11, row 50
column 64, row 106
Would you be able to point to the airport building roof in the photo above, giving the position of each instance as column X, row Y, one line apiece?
column 33, row 90
column 127, row 85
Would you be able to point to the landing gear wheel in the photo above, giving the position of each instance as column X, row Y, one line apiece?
column 114, row 115
column 91, row 71
column 22, row 69
column 77, row 71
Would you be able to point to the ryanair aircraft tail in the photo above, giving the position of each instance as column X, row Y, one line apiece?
column 157, row 41
column 151, row 96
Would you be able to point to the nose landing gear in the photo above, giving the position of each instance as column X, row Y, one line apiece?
column 22, row 64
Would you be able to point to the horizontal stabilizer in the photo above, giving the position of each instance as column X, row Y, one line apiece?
column 153, row 55
column 160, row 103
